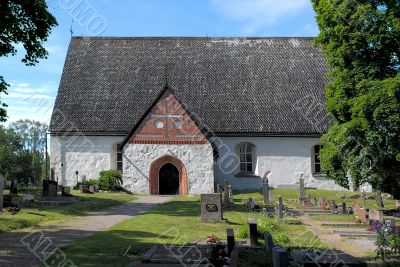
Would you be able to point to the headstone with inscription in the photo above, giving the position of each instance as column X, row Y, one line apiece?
column 211, row 207
column 375, row 215
column 1, row 193
column 266, row 191
column 253, row 231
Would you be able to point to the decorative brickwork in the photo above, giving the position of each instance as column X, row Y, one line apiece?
column 155, row 170
column 168, row 123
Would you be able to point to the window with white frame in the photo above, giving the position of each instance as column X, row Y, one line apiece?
column 119, row 159
column 246, row 157
column 317, row 162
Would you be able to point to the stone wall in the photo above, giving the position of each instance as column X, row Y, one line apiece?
column 197, row 158
column 86, row 154
column 288, row 158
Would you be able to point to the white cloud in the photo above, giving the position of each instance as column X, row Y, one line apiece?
column 28, row 96
column 259, row 13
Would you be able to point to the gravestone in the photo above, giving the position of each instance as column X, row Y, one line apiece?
column 379, row 201
column 268, row 242
column 227, row 202
column 279, row 257
column 49, row 188
column 253, row 231
column 361, row 214
column 375, row 215
column 211, row 207
column 266, row 191
column 250, row 203
column 230, row 239
column 280, row 208
column 91, row 189
column 1, row 193
column 333, row 206
column 302, row 193
column 342, row 209
column 66, row 190
column 390, row 223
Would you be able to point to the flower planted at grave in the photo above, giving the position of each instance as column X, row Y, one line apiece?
column 218, row 255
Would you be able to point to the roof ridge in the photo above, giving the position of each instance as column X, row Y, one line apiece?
column 190, row 37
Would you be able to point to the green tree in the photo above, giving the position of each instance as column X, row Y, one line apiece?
column 361, row 41
column 10, row 149
column 27, row 22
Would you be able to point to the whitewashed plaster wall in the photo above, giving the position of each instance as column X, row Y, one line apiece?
column 197, row 158
column 288, row 158
column 86, row 154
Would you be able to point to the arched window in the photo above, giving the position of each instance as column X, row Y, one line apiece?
column 316, row 159
column 246, row 151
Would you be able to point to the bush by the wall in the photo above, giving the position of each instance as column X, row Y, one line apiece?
column 110, row 180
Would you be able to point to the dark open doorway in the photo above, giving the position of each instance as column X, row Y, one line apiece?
column 168, row 180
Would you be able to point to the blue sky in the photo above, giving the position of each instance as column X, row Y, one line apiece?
column 33, row 89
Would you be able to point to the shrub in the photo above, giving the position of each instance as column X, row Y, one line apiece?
column 282, row 239
column 93, row 182
column 110, row 180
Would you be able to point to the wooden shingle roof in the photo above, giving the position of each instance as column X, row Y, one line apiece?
column 262, row 86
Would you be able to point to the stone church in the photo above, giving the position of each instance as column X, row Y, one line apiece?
column 181, row 115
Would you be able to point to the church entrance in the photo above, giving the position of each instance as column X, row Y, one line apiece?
column 168, row 177
column 168, row 180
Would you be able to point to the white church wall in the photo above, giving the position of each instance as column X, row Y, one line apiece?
column 86, row 154
column 197, row 158
column 288, row 158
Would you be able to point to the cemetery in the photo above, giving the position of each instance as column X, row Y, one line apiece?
column 271, row 227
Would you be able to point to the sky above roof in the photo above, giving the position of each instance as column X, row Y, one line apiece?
column 33, row 90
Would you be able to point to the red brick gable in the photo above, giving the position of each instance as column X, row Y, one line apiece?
column 167, row 123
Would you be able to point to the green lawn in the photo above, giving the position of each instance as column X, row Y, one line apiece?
column 28, row 217
column 333, row 218
column 176, row 222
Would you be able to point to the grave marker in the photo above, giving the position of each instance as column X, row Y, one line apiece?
column 227, row 202
column 361, row 214
column 302, row 193
column 280, row 208
column 268, row 242
column 376, row 215
column 211, row 207
column 250, row 203
column 266, row 187
column 390, row 223
column 342, row 209
column 333, row 206
column 363, row 198
column 253, row 231
column 279, row 257
column 230, row 238
column 1, row 193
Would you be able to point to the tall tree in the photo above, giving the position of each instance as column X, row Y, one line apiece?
column 27, row 22
column 361, row 41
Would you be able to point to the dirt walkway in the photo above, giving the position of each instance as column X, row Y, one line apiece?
column 27, row 247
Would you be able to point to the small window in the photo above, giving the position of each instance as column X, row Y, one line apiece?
column 119, row 159
column 317, row 161
column 246, row 157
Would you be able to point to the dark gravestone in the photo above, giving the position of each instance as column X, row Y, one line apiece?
column 266, row 191
column 342, row 209
column 279, row 257
column 227, row 202
column 49, row 188
column 280, row 208
column 268, row 242
column 333, row 206
column 211, row 207
column 230, row 238
column 253, row 231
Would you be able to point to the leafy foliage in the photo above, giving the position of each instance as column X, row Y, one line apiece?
column 27, row 22
column 22, row 151
column 110, row 180
column 360, row 39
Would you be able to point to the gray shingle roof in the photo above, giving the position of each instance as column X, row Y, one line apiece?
column 233, row 85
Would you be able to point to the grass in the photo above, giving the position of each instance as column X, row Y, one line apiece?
column 29, row 216
column 342, row 218
column 176, row 222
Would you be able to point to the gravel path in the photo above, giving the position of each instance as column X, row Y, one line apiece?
column 27, row 247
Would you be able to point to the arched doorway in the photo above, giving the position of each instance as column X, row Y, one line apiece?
column 163, row 174
column 168, row 180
